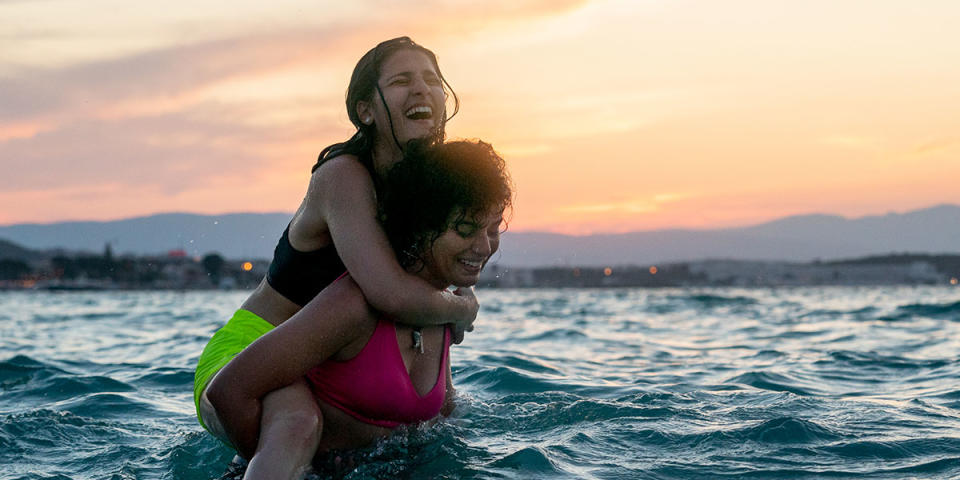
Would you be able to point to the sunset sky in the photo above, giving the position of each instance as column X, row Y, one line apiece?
column 612, row 115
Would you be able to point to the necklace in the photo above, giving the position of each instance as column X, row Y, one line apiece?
column 417, row 339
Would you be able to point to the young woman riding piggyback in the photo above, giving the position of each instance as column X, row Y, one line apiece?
column 396, row 94
column 442, row 208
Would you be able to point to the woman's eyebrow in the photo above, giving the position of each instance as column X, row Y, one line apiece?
column 409, row 73
column 400, row 74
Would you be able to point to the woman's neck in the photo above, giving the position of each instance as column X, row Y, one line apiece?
column 422, row 271
column 385, row 154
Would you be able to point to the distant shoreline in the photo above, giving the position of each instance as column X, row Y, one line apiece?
column 213, row 272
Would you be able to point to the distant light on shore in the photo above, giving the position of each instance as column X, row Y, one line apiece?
column 653, row 270
column 954, row 281
column 608, row 271
column 247, row 266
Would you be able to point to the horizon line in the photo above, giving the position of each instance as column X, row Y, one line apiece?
column 554, row 232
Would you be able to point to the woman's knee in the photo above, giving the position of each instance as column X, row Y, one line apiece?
column 292, row 414
column 307, row 419
column 211, row 421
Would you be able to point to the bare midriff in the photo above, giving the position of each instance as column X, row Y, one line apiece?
column 268, row 304
column 343, row 432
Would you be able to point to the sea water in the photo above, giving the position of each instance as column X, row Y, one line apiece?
column 594, row 384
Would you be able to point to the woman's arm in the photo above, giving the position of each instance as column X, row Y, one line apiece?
column 342, row 192
column 448, row 403
column 322, row 328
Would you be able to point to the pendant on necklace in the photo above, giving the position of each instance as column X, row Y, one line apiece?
column 417, row 340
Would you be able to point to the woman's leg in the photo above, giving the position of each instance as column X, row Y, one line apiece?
column 290, row 429
column 208, row 415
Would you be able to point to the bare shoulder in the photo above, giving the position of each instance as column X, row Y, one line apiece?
column 340, row 169
column 339, row 178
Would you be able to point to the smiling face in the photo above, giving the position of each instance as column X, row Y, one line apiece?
column 458, row 255
column 414, row 98
column 442, row 207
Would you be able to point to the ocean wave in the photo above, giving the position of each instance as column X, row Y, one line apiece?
column 776, row 382
column 951, row 310
column 894, row 449
column 709, row 301
column 528, row 460
column 789, row 430
column 860, row 313
column 21, row 369
column 872, row 361
column 526, row 363
column 23, row 379
column 194, row 455
column 558, row 411
column 109, row 405
column 786, row 430
column 165, row 377
column 948, row 311
column 47, row 436
column 39, row 476
column 555, row 334
column 949, row 465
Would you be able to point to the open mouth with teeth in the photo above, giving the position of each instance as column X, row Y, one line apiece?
column 421, row 112
column 471, row 264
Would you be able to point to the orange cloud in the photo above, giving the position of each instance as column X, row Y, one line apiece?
column 448, row 12
column 935, row 146
column 855, row 142
column 11, row 131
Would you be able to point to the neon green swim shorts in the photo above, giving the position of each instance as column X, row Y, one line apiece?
column 226, row 343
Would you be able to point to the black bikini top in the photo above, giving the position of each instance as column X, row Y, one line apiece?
column 299, row 276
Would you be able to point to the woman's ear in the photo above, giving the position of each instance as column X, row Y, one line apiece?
column 364, row 113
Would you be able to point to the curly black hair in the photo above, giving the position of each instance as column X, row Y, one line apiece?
column 436, row 186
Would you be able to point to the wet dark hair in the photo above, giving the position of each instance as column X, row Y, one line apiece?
column 364, row 85
column 435, row 187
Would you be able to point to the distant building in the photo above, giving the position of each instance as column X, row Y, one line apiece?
column 889, row 270
column 738, row 273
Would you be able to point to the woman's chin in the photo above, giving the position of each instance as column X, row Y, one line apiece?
column 465, row 281
column 417, row 129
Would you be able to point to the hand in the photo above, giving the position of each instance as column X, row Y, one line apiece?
column 465, row 324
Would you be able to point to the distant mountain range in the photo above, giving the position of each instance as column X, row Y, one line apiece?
column 799, row 238
column 235, row 235
column 796, row 238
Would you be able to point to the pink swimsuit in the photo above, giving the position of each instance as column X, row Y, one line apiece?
column 374, row 386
